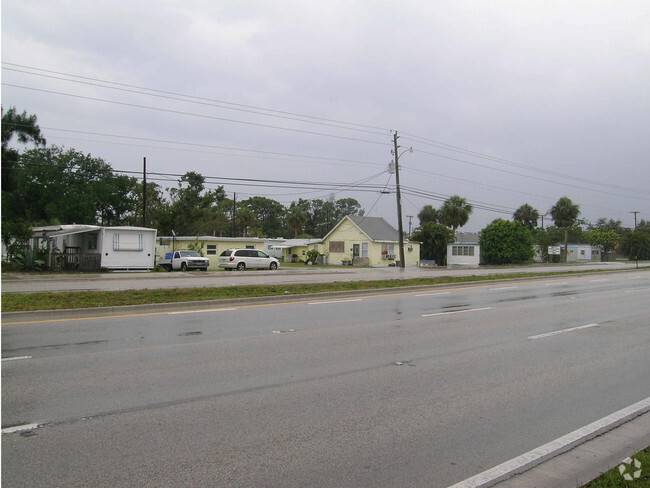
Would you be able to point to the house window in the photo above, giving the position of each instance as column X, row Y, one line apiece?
column 337, row 246
column 250, row 247
column 387, row 251
column 128, row 242
column 91, row 243
column 462, row 250
column 212, row 250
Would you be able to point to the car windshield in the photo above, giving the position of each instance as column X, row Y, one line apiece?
column 189, row 254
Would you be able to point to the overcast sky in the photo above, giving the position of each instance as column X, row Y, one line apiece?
column 503, row 102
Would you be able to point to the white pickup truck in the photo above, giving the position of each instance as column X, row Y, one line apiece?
column 184, row 260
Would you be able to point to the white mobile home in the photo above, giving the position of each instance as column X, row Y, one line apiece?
column 92, row 247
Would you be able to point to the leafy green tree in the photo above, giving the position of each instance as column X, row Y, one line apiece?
column 269, row 215
column 347, row 206
column 54, row 185
column 607, row 238
column 22, row 125
column 428, row 214
column 455, row 212
column 636, row 244
column 192, row 206
column 608, row 224
column 506, row 242
column 434, row 238
column 565, row 214
column 526, row 215
column 26, row 130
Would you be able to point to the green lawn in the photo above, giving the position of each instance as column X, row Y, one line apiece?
column 614, row 479
column 22, row 302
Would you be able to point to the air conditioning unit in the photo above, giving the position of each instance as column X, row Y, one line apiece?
column 389, row 256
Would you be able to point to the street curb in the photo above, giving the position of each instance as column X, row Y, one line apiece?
column 562, row 445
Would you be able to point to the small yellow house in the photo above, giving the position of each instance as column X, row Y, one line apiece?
column 367, row 241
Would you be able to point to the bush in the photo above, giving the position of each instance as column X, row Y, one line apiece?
column 506, row 242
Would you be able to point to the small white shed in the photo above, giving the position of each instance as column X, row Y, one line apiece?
column 465, row 251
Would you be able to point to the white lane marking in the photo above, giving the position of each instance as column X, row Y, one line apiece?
column 456, row 311
column 599, row 280
column 563, row 331
column 560, row 445
column 634, row 290
column 19, row 428
column 557, row 284
column 203, row 311
column 335, row 301
column 433, row 294
column 503, row 288
column 16, row 358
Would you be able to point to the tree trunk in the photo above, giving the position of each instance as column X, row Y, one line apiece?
column 566, row 245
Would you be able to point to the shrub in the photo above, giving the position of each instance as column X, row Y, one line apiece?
column 506, row 242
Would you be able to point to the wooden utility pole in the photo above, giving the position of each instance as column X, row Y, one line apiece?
column 144, row 192
column 400, row 227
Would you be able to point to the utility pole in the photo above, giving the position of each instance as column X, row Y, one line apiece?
column 410, row 221
column 634, row 212
column 400, row 227
column 234, row 214
column 144, row 192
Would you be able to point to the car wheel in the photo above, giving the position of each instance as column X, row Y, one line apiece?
column 183, row 266
column 241, row 266
column 273, row 266
column 204, row 269
column 168, row 267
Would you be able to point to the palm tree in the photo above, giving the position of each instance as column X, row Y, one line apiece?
column 565, row 213
column 455, row 212
column 296, row 219
column 527, row 215
column 428, row 214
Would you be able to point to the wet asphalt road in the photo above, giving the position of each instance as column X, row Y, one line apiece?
column 405, row 389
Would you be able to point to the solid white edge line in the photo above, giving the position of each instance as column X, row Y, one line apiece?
column 19, row 428
column 561, row 445
column 16, row 358
column 336, row 301
column 202, row 311
column 456, row 311
column 433, row 294
column 563, row 331
column 503, row 288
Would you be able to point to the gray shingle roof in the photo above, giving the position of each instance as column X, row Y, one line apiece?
column 376, row 228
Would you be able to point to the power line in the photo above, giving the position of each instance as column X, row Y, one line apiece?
column 191, row 114
column 272, row 111
column 204, row 102
column 488, row 157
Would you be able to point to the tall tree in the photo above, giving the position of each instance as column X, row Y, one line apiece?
column 295, row 219
column 455, row 212
column 428, row 214
column 526, row 215
column 565, row 214
column 26, row 130
column 434, row 238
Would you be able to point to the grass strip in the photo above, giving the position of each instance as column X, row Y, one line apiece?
column 614, row 479
column 26, row 302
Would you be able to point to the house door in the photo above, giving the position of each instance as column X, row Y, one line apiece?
column 364, row 249
column 355, row 251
